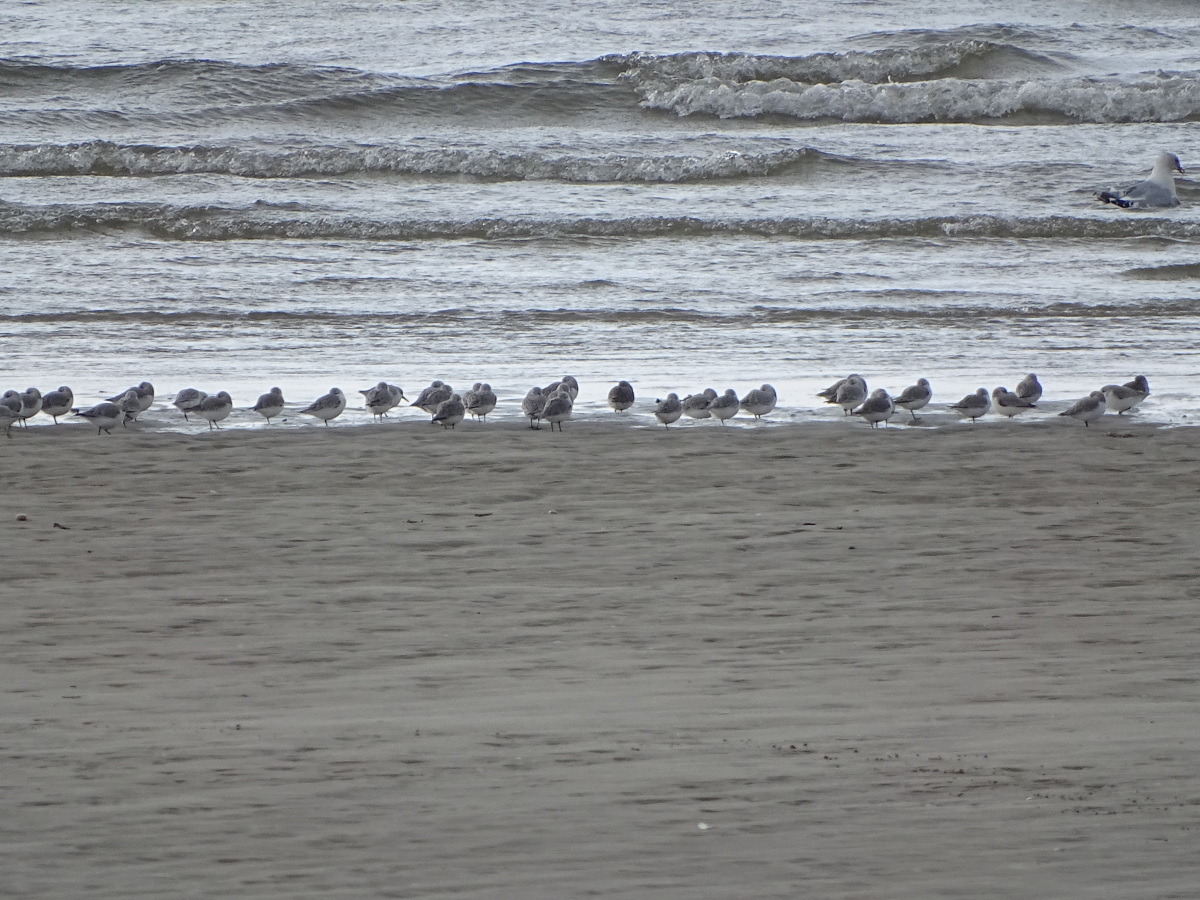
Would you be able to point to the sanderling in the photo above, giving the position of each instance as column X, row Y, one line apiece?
column 1087, row 409
column 851, row 393
column 450, row 411
column 433, row 396
column 572, row 384
column 973, row 405
column 914, row 397
column 1120, row 398
column 132, row 404
column 1139, row 383
column 760, row 401
column 328, row 406
column 559, row 407
column 480, row 401
column 1029, row 388
column 145, row 394
column 187, row 400
column 103, row 415
column 270, row 404
column 31, row 402
column 215, row 409
column 533, row 405
column 382, row 398
column 725, row 406
column 695, row 406
column 668, row 410
column 620, row 396
column 58, row 403
column 7, row 416
column 1007, row 403
column 877, row 408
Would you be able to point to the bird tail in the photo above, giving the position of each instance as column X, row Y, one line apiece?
column 1114, row 199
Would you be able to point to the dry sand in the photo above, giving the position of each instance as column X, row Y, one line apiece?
column 706, row 663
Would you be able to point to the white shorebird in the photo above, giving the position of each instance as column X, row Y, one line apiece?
column 973, row 405
column 7, row 417
column 58, row 402
column 725, row 406
column 187, row 400
column 1158, row 190
column 760, row 401
column 1087, row 409
column 620, row 396
column 215, row 409
column 668, row 410
column 533, row 405
column 270, row 404
column 559, row 407
column 1119, row 398
column 433, row 396
column 851, row 392
column 12, row 400
column 1007, row 403
column 382, row 398
column 132, row 404
column 877, row 408
column 328, row 406
column 480, row 401
column 572, row 385
column 145, row 394
column 914, row 397
column 1029, row 388
column 450, row 412
column 103, row 415
column 695, row 406
column 31, row 403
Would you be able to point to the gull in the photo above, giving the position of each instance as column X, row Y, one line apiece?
column 877, row 408
column 187, row 400
column 270, row 404
column 1089, row 409
column 382, row 398
column 145, row 393
column 58, row 403
column 695, row 406
column 1119, row 397
column 725, row 406
column 31, row 402
column 432, row 397
column 559, row 407
column 103, row 415
column 1029, row 388
column 328, row 406
column 1139, row 383
column 533, row 405
column 668, row 410
column 973, row 405
column 1010, row 404
column 850, row 393
column 1156, row 191
column 450, row 411
column 914, row 397
column 760, row 401
column 215, row 408
column 481, row 401
column 620, row 397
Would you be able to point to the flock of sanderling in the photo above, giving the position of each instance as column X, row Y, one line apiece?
column 555, row 403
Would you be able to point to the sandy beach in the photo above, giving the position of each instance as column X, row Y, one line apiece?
column 614, row 662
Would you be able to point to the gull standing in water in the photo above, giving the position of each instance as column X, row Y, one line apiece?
column 270, row 404
column 973, row 405
column 1119, row 397
column 559, row 407
column 1008, row 403
column 58, row 403
column 533, row 405
column 620, row 397
column 877, row 408
column 480, row 401
column 1158, row 190
column 103, row 415
column 760, row 401
column 915, row 397
column 668, row 410
column 450, row 411
column 215, row 409
column 1029, row 388
column 187, row 400
column 695, row 406
column 725, row 406
column 1089, row 409
column 328, row 406
column 850, row 393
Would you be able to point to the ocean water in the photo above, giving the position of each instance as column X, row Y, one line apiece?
column 240, row 195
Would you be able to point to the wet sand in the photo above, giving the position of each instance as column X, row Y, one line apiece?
column 699, row 663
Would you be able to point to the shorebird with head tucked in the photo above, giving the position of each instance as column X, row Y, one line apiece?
column 760, row 401
column 877, row 408
column 668, row 410
column 187, row 400
column 1086, row 410
column 328, row 406
column 620, row 396
column 1007, row 403
column 58, row 403
column 1029, row 388
column 973, row 405
column 270, row 404
column 914, row 397
column 533, row 405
